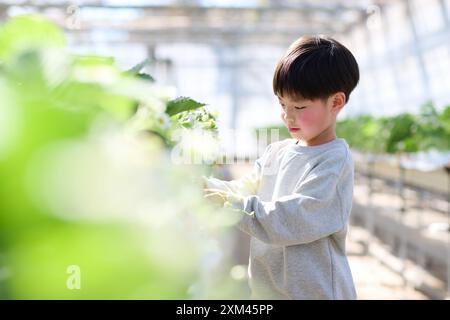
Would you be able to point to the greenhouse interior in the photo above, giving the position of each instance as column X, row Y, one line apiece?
column 114, row 114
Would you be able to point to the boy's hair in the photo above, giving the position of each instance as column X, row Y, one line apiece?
column 314, row 67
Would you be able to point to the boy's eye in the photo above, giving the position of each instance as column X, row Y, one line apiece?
column 300, row 108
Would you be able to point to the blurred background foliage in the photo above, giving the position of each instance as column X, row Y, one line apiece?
column 402, row 133
column 88, row 179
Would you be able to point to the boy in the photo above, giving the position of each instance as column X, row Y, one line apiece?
column 296, row 203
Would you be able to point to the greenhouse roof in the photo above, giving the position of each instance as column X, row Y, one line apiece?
column 205, row 21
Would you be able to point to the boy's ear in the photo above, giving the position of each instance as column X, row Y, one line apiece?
column 337, row 101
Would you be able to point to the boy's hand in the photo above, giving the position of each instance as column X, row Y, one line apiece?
column 216, row 196
column 223, row 198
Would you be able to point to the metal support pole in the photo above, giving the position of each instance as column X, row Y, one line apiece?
column 369, row 211
column 447, row 169
column 401, row 219
column 229, row 78
column 418, row 52
column 443, row 9
column 421, row 261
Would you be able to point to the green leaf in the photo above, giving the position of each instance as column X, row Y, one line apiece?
column 181, row 104
column 28, row 32
column 400, row 130
column 146, row 76
column 136, row 71
column 137, row 68
column 93, row 61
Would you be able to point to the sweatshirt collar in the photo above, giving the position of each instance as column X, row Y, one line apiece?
column 321, row 147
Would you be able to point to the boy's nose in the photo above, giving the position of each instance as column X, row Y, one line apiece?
column 289, row 121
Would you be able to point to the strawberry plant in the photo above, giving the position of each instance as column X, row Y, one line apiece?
column 92, row 204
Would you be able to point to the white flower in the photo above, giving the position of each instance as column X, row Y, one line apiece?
column 163, row 120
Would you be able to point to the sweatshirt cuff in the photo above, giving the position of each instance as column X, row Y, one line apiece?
column 247, row 215
column 239, row 203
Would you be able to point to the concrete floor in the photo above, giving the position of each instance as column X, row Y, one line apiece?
column 373, row 280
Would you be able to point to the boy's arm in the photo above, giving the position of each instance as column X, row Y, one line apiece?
column 316, row 210
column 247, row 185
column 244, row 186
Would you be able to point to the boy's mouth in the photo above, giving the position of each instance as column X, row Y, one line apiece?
column 293, row 129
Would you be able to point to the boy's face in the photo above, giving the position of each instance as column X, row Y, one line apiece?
column 312, row 121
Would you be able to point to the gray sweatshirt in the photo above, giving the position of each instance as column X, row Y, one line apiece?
column 296, row 205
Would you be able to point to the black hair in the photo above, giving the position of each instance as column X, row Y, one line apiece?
column 315, row 67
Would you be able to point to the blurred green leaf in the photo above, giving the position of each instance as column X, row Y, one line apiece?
column 52, row 98
column 137, row 68
column 145, row 76
column 28, row 32
column 181, row 104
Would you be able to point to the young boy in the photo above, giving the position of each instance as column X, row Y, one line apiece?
column 297, row 201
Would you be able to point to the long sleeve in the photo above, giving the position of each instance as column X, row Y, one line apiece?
column 247, row 185
column 313, row 211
